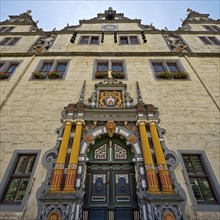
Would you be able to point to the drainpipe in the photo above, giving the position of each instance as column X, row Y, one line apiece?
column 203, row 84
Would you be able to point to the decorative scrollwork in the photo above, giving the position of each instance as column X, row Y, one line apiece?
column 49, row 157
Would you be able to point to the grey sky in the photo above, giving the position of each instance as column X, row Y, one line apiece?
column 58, row 13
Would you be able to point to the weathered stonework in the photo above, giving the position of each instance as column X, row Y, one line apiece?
column 189, row 109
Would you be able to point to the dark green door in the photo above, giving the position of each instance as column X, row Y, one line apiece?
column 110, row 182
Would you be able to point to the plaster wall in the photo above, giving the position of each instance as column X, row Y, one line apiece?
column 31, row 113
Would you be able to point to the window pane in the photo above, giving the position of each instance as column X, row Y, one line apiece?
column 61, row 67
column 205, row 40
column 13, row 41
column 216, row 28
column 25, row 164
column 208, row 28
column 173, row 67
column 12, row 189
column 133, row 40
column 12, row 68
column 2, row 29
column 117, row 67
column 102, row 67
column 196, row 190
column 94, row 40
column 22, row 189
column 84, row 40
column 188, row 164
column 124, row 40
column 214, row 40
column 206, row 189
column 46, row 67
column 1, row 65
column 158, row 67
column 5, row 41
column 197, row 164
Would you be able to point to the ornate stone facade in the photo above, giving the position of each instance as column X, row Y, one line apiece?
column 109, row 145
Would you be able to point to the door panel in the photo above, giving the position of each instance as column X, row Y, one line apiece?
column 110, row 183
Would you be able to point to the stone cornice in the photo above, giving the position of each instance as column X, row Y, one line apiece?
column 103, row 54
column 146, row 31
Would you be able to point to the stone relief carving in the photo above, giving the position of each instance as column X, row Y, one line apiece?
column 43, row 44
column 176, row 44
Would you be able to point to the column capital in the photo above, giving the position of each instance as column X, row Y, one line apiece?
column 152, row 122
column 79, row 121
column 68, row 120
column 141, row 122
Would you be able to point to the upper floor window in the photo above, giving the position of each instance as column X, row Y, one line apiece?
column 9, row 41
column 17, row 180
column 89, row 40
column 201, row 180
column 117, row 67
column 7, row 69
column 128, row 40
column 6, row 29
column 212, row 28
column 210, row 40
column 50, row 70
column 168, row 70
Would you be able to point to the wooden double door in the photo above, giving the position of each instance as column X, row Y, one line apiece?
column 110, row 182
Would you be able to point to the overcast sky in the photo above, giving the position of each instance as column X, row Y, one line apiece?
column 56, row 14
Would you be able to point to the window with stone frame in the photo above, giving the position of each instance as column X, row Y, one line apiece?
column 168, row 70
column 202, row 183
column 124, row 40
column 117, row 68
column 16, row 183
column 210, row 40
column 6, row 29
column 92, row 40
column 9, row 41
column 50, row 70
column 7, row 68
column 212, row 28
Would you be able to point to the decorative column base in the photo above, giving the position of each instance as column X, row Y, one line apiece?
column 165, row 179
column 57, row 178
column 152, row 179
column 70, row 178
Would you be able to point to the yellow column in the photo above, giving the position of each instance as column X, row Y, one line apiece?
column 148, row 160
column 72, row 167
column 164, row 174
column 61, row 159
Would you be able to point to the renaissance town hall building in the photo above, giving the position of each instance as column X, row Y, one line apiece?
column 110, row 119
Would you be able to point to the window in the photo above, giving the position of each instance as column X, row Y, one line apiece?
column 212, row 28
column 7, row 69
column 50, row 70
column 201, row 180
column 117, row 67
column 168, row 70
column 210, row 40
column 128, row 40
column 6, row 29
column 89, row 40
column 9, row 41
column 17, row 180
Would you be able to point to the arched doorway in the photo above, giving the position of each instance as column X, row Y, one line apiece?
column 110, row 192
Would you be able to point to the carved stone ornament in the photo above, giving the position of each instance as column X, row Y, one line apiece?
column 110, row 126
column 128, row 100
column 93, row 100
column 167, row 215
column 110, row 99
column 43, row 44
column 176, row 44
column 54, row 215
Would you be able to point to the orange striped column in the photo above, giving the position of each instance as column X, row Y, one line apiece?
column 164, row 174
column 73, row 162
column 58, row 171
column 148, row 159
